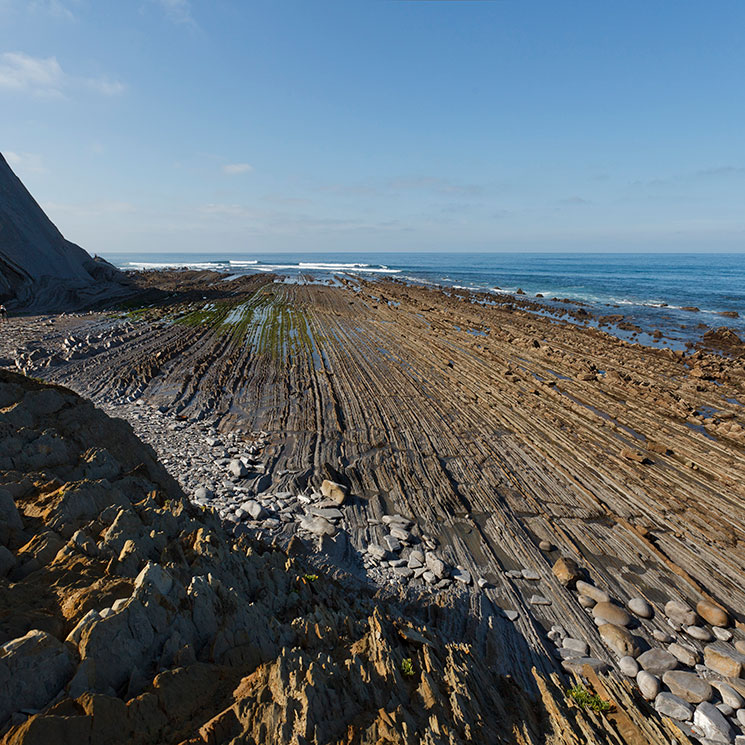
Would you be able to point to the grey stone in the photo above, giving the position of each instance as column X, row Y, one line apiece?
column 688, row 686
column 531, row 574
column 685, row 655
column 435, row 565
column 416, row 559
column 640, row 607
column 700, row 633
column 238, row 469
column 462, row 575
column 670, row 705
column 598, row 595
column 546, row 546
column 741, row 717
column 539, row 600
column 392, row 543
column 662, row 637
column 657, row 661
column 576, row 664
column 649, row 684
column 628, row 666
column 576, row 645
column 377, row 551
column 680, row 613
column 203, row 494
column 318, row 526
column 511, row 615
column 723, row 635
column 33, row 669
column 400, row 533
column 729, row 695
column 403, row 571
column 712, row 723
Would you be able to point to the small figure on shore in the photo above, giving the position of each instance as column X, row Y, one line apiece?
column 3, row 313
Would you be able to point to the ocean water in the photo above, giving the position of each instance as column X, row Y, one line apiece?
column 647, row 289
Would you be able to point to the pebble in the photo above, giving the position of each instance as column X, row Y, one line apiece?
column 576, row 645
column 700, row 633
column 531, row 574
column 462, row 575
column 628, row 666
column 679, row 613
column 657, row 661
column 685, row 655
column 670, row 705
column 688, row 686
column 729, row 695
column 546, row 546
column 611, row 613
column 539, row 600
column 722, row 634
column 649, row 684
column 662, row 636
column 640, row 607
column 712, row 614
column 598, row 595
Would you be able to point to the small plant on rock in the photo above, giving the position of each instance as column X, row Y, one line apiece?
column 309, row 577
column 588, row 700
column 407, row 667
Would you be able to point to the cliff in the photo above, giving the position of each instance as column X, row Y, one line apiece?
column 39, row 268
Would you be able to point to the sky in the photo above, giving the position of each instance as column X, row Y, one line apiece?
column 228, row 126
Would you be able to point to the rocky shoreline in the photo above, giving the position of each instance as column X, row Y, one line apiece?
column 476, row 460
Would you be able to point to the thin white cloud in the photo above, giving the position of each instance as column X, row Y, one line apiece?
column 233, row 169
column 26, row 163
column 54, row 8
column 178, row 11
column 44, row 77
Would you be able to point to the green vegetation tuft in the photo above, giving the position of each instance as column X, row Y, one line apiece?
column 407, row 667
column 587, row 700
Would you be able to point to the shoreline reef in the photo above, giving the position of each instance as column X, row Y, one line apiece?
column 510, row 503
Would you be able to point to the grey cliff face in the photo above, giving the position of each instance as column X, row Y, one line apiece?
column 39, row 268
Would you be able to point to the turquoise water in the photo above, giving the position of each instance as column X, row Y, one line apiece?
column 649, row 289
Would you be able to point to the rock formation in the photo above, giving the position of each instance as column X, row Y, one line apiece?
column 39, row 269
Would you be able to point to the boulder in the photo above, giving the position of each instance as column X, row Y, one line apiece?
column 649, row 684
column 670, row 705
column 712, row 723
column 657, row 661
column 619, row 640
column 333, row 491
column 33, row 669
column 238, row 468
column 712, row 614
column 688, row 686
column 611, row 613
column 640, row 607
column 566, row 571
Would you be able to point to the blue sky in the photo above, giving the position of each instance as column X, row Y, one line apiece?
column 232, row 125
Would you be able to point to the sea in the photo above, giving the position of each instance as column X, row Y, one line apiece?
column 649, row 290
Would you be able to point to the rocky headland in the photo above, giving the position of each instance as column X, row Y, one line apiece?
column 429, row 517
column 39, row 268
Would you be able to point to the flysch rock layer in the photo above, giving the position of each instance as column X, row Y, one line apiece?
column 486, row 460
column 130, row 615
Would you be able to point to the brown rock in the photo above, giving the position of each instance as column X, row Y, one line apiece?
column 619, row 640
column 713, row 614
column 723, row 662
column 611, row 614
column 566, row 571
column 333, row 491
